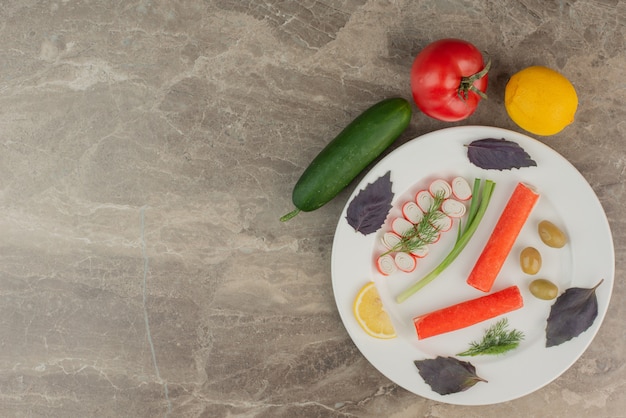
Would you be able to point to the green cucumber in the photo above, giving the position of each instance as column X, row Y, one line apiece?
column 364, row 139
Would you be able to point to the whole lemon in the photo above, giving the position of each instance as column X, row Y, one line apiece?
column 540, row 100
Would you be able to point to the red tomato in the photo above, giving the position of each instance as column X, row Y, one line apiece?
column 448, row 79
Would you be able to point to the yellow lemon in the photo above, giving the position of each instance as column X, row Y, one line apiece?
column 370, row 314
column 540, row 100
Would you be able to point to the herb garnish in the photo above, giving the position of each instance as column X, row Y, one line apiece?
column 424, row 232
column 572, row 314
column 497, row 340
column 498, row 154
column 446, row 375
column 368, row 210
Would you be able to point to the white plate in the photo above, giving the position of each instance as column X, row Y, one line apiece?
column 566, row 199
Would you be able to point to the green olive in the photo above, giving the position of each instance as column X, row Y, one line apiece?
column 551, row 235
column 530, row 260
column 543, row 289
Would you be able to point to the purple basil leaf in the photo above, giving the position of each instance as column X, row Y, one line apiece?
column 446, row 375
column 498, row 154
column 369, row 208
column 572, row 314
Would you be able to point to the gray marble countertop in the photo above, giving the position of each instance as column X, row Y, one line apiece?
column 148, row 149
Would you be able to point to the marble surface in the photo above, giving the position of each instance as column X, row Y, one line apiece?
column 148, row 149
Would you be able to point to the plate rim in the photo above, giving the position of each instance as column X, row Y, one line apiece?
column 470, row 130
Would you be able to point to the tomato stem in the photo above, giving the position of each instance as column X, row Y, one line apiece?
column 467, row 83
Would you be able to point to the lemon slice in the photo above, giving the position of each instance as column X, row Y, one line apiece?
column 370, row 314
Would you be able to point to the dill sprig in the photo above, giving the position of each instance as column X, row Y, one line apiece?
column 424, row 232
column 497, row 340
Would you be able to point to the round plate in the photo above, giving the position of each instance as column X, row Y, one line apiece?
column 566, row 199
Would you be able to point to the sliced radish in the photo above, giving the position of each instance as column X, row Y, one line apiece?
column 401, row 226
column 421, row 252
column 461, row 189
column 412, row 212
column 386, row 265
column 390, row 239
column 440, row 186
column 424, row 200
column 442, row 222
column 453, row 208
column 405, row 262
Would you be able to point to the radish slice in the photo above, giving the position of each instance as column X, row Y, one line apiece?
column 453, row 208
column 405, row 262
column 412, row 212
column 440, row 186
column 401, row 226
column 461, row 189
column 420, row 252
column 386, row 265
column 390, row 239
column 442, row 222
column 424, row 200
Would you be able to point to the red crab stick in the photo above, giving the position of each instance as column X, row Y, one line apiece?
column 503, row 237
column 468, row 313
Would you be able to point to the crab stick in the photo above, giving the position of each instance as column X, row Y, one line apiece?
column 453, row 208
column 503, row 237
column 405, row 262
column 440, row 187
column 412, row 212
column 390, row 240
column 421, row 251
column 424, row 200
column 386, row 265
column 401, row 226
column 441, row 222
column 468, row 313
column 461, row 188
